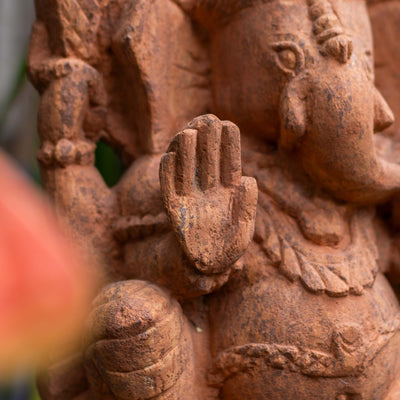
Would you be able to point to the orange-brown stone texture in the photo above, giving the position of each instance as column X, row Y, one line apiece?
column 250, row 250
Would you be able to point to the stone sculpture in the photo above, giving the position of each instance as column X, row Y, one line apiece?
column 240, row 265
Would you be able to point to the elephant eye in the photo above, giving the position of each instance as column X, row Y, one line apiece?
column 369, row 65
column 289, row 56
column 288, row 59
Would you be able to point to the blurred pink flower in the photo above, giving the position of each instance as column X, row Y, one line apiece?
column 45, row 287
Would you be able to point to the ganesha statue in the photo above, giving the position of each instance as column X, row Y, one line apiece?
column 250, row 248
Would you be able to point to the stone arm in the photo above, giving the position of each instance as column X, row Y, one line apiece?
column 71, row 118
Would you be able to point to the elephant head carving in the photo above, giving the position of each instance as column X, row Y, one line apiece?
column 300, row 75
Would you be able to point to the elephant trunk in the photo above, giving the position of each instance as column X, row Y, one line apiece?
column 330, row 121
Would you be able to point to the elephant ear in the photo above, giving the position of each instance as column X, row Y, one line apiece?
column 385, row 21
column 166, row 62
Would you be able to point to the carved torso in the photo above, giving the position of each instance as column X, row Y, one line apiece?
column 310, row 301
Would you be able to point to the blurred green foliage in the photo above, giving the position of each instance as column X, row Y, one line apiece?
column 108, row 163
column 34, row 393
column 19, row 79
column 22, row 389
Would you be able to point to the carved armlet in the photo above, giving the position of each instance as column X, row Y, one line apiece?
column 66, row 152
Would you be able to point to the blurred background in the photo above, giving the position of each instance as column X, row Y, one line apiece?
column 18, row 99
column 18, row 137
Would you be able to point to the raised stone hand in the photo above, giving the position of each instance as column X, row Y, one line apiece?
column 210, row 205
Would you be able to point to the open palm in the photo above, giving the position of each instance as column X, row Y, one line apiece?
column 210, row 205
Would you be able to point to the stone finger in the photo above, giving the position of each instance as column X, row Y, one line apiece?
column 208, row 149
column 231, row 163
column 167, row 175
column 245, row 201
column 186, row 162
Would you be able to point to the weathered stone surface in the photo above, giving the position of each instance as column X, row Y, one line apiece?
column 240, row 264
